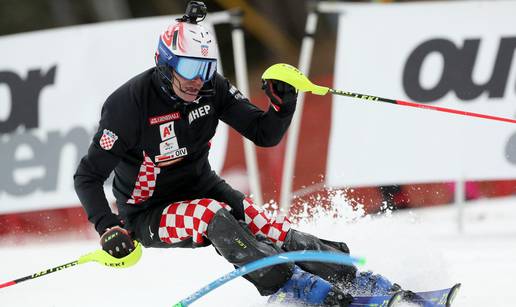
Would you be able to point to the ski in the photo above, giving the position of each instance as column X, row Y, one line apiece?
column 436, row 298
column 376, row 301
column 440, row 298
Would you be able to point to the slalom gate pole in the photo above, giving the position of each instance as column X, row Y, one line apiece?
column 99, row 256
column 317, row 256
column 419, row 105
column 291, row 75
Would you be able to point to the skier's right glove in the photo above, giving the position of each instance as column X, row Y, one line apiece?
column 117, row 242
column 282, row 95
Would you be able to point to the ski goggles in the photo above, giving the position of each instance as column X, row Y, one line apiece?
column 191, row 68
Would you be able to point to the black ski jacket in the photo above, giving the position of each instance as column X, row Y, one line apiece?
column 158, row 146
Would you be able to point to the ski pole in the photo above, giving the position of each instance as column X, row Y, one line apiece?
column 291, row 75
column 268, row 261
column 99, row 256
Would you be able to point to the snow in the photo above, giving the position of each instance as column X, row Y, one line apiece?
column 420, row 249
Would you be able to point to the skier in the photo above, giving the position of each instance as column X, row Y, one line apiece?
column 154, row 134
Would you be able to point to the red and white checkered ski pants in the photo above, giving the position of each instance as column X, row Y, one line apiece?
column 260, row 223
column 190, row 219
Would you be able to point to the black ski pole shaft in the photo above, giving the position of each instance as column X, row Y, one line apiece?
column 99, row 256
column 39, row 274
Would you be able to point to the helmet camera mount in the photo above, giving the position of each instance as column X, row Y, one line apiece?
column 195, row 11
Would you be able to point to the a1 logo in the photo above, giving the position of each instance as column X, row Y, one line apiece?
column 166, row 131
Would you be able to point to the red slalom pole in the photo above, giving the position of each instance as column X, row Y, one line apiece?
column 419, row 105
column 441, row 109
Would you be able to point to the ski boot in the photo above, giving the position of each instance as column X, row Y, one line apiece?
column 334, row 273
column 377, row 285
column 306, row 289
column 369, row 284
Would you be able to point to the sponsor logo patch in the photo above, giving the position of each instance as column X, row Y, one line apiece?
column 199, row 112
column 108, row 139
column 164, row 118
column 166, row 131
column 168, row 146
column 236, row 93
column 181, row 152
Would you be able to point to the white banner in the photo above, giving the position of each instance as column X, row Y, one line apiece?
column 450, row 54
column 52, row 86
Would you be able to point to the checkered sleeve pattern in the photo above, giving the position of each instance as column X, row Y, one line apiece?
column 145, row 182
column 188, row 219
column 260, row 223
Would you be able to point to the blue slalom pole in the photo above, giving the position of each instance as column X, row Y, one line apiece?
column 316, row 256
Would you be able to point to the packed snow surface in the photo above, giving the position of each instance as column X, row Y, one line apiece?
column 421, row 249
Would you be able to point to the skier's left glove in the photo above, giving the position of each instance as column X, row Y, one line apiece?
column 283, row 96
column 117, row 242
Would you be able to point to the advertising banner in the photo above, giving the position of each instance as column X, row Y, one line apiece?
column 457, row 55
column 52, row 86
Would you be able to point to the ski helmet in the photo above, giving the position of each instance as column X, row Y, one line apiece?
column 189, row 49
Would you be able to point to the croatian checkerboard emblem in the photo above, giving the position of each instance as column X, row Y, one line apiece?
column 108, row 139
column 204, row 50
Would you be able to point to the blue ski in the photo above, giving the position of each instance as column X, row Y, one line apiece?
column 437, row 298
column 372, row 301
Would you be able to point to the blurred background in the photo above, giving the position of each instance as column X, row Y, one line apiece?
column 273, row 31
